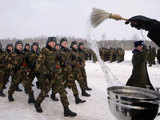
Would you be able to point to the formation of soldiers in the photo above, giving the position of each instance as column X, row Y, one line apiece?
column 112, row 54
column 90, row 55
column 55, row 66
column 152, row 54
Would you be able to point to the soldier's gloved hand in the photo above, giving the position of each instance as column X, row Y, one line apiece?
column 141, row 22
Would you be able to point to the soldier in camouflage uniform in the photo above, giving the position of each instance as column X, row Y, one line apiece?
column 120, row 55
column 3, row 70
column 105, row 54
column 20, row 73
column 31, row 58
column 8, row 52
column 158, row 55
column 49, row 72
column 154, row 55
column 111, row 54
column 77, row 68
column 84, row 75
column 27, row 47
column 69, row 81
column 92, row 55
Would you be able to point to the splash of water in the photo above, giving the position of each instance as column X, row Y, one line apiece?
column 111, row 79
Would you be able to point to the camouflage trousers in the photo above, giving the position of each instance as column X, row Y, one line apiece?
column 84, row 76
column 80, row 76
column 2, row 79
column 6, row 78
column 47, row 84
column 21, row 76
column 68, row 82
column 120, row 59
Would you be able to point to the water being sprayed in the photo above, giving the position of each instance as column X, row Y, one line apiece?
column 111, row 79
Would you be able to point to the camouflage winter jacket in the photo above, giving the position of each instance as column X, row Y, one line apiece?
column 48, row 62
column 66, row 62
column 76, row 59
column 19, row 61
column 31, row 59
column 3, row 61
column 82, row 55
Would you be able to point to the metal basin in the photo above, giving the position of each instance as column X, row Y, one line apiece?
column 133, row 103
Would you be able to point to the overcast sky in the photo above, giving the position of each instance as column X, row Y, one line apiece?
column 31, row 18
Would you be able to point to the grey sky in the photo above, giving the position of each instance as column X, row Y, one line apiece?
column 30, row 18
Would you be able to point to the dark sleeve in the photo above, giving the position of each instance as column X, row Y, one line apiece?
column 139, row 58
column 154, row 33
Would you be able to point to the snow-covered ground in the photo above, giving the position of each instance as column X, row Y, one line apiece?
column 96, row 107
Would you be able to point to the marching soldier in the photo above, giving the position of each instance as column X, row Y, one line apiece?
column 158, row 55
column 49, row 72
column 154, row 55
column 3, row 69
column 9, row 52
column 76, row 64
column 111, row 55
column 120, row 55
column 92, row 55
column 68, row 78
column 20, row 73
column 31, row 59
column 82, row 55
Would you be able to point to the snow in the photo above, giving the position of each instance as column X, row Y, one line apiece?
column 96, row 107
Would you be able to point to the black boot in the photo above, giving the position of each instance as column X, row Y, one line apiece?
column 89, row 89
column 38, row 107
column 78, row 100
column 10, row 98
column 54, row 98
column 69, row 113
column 18, row 89
column 84, row 93
column 31, row 99
column 2, row 94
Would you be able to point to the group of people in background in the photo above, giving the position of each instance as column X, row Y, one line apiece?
column 117, row 54
column 112, row 54
column 56, row 67
column 152, row 54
